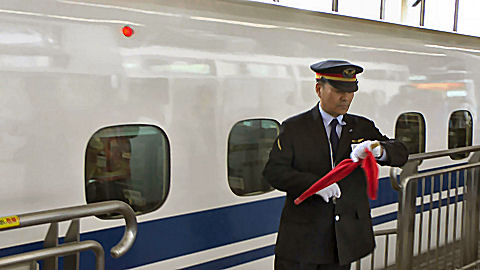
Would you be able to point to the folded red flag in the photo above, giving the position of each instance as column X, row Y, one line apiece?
column 344, row 168
column 369, row 166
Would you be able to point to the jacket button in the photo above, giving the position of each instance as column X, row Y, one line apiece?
column 337, row 218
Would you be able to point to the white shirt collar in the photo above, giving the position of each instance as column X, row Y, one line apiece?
column 327, row 118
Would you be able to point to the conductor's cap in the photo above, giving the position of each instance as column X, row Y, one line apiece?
column 340, row 74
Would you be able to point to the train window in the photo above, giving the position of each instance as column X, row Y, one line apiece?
column 130, row 163
column 307, row 90
column 249, row 145
column 267, row 70
column 460, row 132
column 410, row 130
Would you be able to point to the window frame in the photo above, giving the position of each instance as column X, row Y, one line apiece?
column 167, row 179
column 422, row 144
column 467, row 143
column 256, row 193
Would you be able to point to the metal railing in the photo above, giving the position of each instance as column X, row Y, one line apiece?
column 65, row 249
column 455, row 16
column 422, row 11
column 382, row 9
column 470, row 266
column 438, row 220
column 380, row 250
column 335, row 5
column 404, row 8
column 52, row 250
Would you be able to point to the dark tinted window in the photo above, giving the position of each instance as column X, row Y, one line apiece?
column 249, row 145
column 410, row 130
column 460, row 132
column 129, row 163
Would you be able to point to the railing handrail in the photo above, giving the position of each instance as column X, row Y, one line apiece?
column 385, row 232
column 437, row 172
column 469, row 266
column 393, row 178
column 442, row 153
column 65, row 249
column 93, row 209
column 428, row 155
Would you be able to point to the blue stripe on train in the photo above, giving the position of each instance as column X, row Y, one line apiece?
column 236, row 259
column 167, row 238
column 260, row 253
column 172, row 237
column 181, row 235
column 267, row 251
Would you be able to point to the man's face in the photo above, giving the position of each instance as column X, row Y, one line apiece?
column 332, row 100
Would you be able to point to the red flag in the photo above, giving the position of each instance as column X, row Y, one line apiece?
column 343, row 169
column 369, row 165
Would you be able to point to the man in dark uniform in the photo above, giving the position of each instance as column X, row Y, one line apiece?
column 332, row 228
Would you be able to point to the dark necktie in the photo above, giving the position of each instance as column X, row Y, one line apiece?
column 334, row 137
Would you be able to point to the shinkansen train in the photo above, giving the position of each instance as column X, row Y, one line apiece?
column 172, row 106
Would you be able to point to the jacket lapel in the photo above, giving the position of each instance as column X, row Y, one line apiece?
column 320, row 133
column 344, row 144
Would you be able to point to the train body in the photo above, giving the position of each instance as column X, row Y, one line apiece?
column 178, row 119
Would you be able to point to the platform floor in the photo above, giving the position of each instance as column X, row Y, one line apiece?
column 449, row 258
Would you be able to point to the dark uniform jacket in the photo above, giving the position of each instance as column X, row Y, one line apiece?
column 300, row 156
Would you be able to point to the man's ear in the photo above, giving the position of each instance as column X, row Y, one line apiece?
column 318, row 88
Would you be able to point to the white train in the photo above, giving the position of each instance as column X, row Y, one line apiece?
column 178, row 119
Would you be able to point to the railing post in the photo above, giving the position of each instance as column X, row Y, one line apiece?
column 51, row 240
column 422, row 13
column 73, row 235
column 455, row 16
column 382, row 9
column 406, row 216
column 335, row 5
column 471, row 219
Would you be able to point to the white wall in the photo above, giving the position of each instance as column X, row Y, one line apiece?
column 439, row 14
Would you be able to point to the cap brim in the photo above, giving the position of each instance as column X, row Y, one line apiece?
column 344, row 86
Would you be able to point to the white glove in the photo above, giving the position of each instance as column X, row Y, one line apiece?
column 358, row 153
column 331, row 191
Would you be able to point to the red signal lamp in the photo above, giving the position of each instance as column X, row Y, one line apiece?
column 127, row 31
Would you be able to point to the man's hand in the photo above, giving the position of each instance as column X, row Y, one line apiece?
column 358, row 153
column 331, row 191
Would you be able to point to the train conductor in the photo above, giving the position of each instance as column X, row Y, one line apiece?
column 332, row 228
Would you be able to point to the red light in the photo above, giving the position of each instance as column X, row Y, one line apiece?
column 127, row 31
